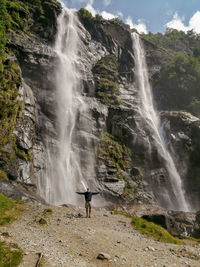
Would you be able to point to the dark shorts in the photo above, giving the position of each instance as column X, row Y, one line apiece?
column 87, row 204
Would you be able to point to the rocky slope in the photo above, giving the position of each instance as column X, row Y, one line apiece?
column 123, row 169
column 70, row 239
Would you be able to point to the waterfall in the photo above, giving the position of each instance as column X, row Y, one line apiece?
column 173, row 196
column 64, row 172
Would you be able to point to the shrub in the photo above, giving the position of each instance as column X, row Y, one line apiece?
column 85, row 14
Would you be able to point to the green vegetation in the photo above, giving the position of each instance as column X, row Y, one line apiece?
column 19, row 17
column 84, row 14
column 179, row 81
column 3, row 175
column 10, row 210
column 176, row 40
column 106, row 76
column 179, row 84
column 153, row 230
column 5, row 204
column 42, row 222
column 110, row 148
column 128, row 189
column 10, row 255
column 10, row 110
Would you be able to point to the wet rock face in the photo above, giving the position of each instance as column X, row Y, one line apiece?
column 183, row 132
column 133, row 182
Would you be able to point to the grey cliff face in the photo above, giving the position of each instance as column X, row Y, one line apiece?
column 134, row 180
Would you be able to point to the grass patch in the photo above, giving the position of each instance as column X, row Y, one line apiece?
column 42, row 222
column 10, row 255
column 10, row 210
column 152, row 230
column 5, row 204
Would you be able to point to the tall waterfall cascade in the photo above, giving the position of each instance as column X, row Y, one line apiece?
column 64, row 172
column 173, row 195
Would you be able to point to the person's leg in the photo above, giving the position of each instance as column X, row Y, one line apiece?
column 90, row 208
column 86, row 209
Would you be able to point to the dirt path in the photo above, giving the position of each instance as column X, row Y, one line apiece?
column 69, row 239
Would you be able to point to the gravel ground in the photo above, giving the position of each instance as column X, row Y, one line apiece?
column 69, row 239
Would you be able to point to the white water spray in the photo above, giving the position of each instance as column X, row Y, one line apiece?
column 64, row 174
column 148, row 113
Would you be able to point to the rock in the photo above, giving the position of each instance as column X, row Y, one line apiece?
column 103, row 256
column 144, row 176
column 175, row 222
column 150, row 248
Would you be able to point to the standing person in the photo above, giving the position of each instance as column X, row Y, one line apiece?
column 88, row 197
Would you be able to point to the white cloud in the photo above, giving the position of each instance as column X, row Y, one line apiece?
column 140, row 27
column 104, row 14
column 90, row 8
column 107, row 15
column 119, row 14
column 178, row 23
column 107, row 2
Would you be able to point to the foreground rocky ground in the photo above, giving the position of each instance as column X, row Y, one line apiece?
column 69, row 239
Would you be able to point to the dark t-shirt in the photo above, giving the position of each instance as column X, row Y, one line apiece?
column 88, row 195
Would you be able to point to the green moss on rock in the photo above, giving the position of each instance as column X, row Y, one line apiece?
column 106, row 77
column 21, row 18
column 3, row 175
column 111, row 149
column 10, row 112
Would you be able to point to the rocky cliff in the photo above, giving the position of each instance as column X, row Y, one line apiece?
column 124, row 171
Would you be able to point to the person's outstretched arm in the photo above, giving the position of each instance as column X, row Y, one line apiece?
column 96, row 193
column 80, row 193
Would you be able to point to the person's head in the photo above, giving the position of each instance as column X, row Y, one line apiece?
column 88, row 189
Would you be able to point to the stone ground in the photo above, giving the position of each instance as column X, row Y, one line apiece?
column 69, row 239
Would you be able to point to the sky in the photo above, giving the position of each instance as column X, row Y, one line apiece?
column 146, row 15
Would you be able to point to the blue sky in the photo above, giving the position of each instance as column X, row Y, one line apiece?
column 147, row 15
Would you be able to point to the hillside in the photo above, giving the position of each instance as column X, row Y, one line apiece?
column 69, row 239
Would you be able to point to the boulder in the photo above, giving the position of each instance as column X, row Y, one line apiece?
column 103, row 256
